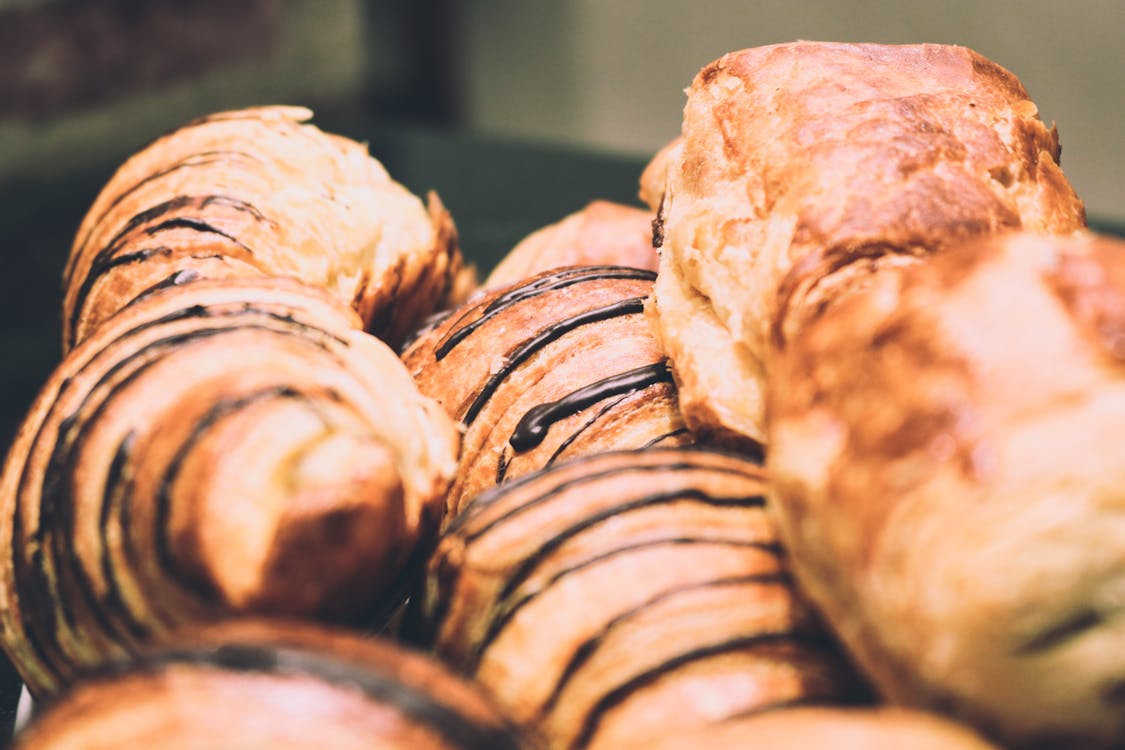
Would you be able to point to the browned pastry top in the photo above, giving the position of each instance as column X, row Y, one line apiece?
column 948, row 459
column 820, row 728
column 271, row 685
column 602, row 233
column 805, row 168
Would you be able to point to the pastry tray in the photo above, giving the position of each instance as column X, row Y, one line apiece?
column 497, row 190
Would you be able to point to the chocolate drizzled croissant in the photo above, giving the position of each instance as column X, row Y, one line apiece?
column 276, row 686
column 558, row 366
column 618, row 597
column 257, row 193
column 602, row 233
column 215, row 448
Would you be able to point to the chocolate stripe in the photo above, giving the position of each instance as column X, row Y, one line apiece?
column 533, row 427
column 196, row 225
column 619, row 694
column 666, row 435
column 561, row 279
column 682, row 495
column 545, row 336
column 104, row 260
column 490, row 497
column 1074, row 625
column 200, row 159
column 507, row 609
column 591, row 644
column 178, row 278
column 606, row 408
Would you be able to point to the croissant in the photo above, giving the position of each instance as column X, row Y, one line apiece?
column 558, row 366
column 619, row 597
column 603, row 233
column 818, row 728
column 948, row 460
column 276, row 686
column 257, row 193
column 804, row 171
column 222, row 447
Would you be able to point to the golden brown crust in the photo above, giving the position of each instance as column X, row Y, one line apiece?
column 947, row 460
column 601, row 234
column 560, row 365
column 271, row 685
column 806, row 169
column 654, row 178
column 217, row 448
column 620, row 597
column 258, row 193
column 837, row 728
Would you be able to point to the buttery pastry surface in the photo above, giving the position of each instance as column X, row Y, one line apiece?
column 271, row 685
column 254, row 193
column 820, row 728
column 807, row 168
column 622, row 596
column 948, row 461
column 220, row 447
column 601, row 234
column 557, row 366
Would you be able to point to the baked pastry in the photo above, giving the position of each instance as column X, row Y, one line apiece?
column 817, row 728
column 655, row 176
column 619, row 597
column 808, row 168
column 272, row 685
column 947, row 456
column 217, row 448
column 256, row 193
column 557, row 366
column 601, row 234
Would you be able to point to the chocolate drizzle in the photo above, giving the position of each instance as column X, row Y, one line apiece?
column 106, row 259
column 510, row 606
column 533, row 427
column 549, row 334
column 558, row 280
column 619, row 694
column 589, row 646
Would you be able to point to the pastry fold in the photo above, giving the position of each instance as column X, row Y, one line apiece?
column 807, row 169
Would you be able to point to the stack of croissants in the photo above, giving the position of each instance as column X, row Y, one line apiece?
column 824, row 449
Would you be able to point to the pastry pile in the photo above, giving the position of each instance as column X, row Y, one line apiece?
column 820, row 450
